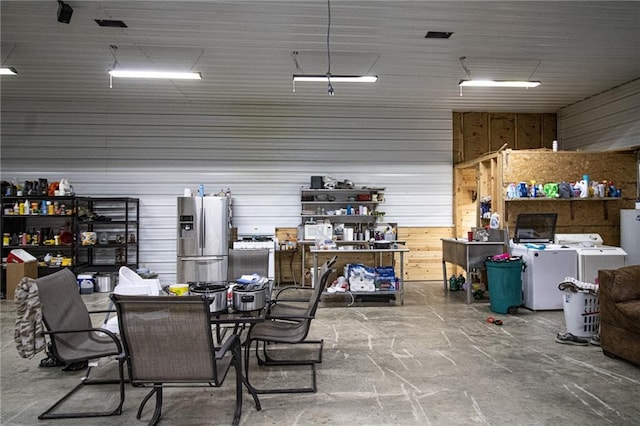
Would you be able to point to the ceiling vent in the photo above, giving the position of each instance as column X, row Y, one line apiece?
column 114, row 23
column 438, row 34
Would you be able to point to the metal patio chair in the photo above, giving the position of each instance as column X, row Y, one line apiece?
column 168, row 343
column 294, row 301
column 73, row 338
column 286, row 332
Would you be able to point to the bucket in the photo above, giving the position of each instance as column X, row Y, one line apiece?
column 581, row 313
column 505, row 285
column 104, row 283
column 179, row 289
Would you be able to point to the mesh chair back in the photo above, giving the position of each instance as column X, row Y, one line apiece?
column 315, row 299
column 248, row 262
column 323, row 273
column 168, row 339
column 63, row 309
column 291, row 332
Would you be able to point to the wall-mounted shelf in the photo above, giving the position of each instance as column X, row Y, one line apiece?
column 604, row 200
column 111, row 216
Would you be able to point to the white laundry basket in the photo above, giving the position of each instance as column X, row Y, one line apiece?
column 581, row 313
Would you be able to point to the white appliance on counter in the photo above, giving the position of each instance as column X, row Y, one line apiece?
column 592, row 254
column 545, row 264
column 256, row 238
column 630, row 234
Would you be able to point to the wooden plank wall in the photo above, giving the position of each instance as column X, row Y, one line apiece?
column 478, row 133
column 466, row 198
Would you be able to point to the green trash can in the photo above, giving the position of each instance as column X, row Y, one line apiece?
column 505, row 284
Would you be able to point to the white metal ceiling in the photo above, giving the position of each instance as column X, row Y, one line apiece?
column 244, row 51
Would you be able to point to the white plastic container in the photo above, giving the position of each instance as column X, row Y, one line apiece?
column 494, row 222
column 86, row 283
column 581, row 313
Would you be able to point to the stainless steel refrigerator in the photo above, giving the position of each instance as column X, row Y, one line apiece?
column 630, row 234
column 203, row 239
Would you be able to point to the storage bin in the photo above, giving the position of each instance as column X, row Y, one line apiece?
column 505, row 285
column 581, row 313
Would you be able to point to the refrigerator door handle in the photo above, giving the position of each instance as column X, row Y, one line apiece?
column 204, row 228
column 200, row 258
column 201, row 236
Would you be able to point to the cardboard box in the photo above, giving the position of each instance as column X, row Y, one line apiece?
column 15, row 273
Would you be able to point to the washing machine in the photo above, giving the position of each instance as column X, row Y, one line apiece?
column 545, row 264
column 592, row 255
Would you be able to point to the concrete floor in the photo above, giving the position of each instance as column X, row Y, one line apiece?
column 433, row 361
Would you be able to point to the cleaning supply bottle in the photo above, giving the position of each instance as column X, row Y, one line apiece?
column 461, row 282
column 453, row 283
column 494, row 222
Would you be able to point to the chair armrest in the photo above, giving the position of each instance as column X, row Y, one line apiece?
column 113, row 337
column 289, row 299
column 102, row 311
column 228, row 345
column 290, row 317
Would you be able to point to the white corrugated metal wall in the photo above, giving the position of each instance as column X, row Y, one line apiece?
column 263, row 153
column 608, row 121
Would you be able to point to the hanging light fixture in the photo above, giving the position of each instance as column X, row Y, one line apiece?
column 8, row 71
column 498, row 83
column 335, row 78
column 172, row 75
column 329, row 78
column 470, row 82
column 149, row 74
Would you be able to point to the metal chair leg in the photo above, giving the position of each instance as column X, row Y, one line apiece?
column 312, row 363
column 86, row 381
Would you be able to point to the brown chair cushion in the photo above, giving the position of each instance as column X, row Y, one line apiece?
column 626, row 284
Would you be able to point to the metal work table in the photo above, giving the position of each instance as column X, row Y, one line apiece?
column 399, row 293
column 468, row 255
column 311, row 243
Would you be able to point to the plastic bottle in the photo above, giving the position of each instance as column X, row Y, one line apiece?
column 453, row 283
column 230, row 299
column 461, row 280
column 27, row 206
column 201, row 190
column 555, row 146
column 494, row 222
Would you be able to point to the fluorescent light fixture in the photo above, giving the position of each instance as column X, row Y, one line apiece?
column 498, row 83
column 323, row 78
column 8, row 71
column 156, row 74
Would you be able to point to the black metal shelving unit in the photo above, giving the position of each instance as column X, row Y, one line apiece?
column 114, row 220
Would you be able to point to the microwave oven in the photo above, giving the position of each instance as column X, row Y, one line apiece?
column 313, row 230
